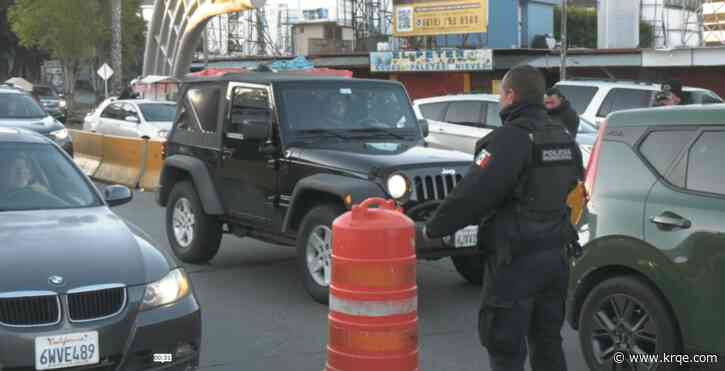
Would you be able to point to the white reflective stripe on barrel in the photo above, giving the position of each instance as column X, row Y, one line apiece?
column 373, row 308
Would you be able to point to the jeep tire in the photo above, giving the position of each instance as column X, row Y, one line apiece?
column 193, row 235
column 641, row 318
column 469, row 267
column 314, row 250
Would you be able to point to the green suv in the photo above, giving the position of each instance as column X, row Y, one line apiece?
column 651, row 279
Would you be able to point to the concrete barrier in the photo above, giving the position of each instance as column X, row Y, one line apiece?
column 152, row 166
column 87, row 150
column 123, row 160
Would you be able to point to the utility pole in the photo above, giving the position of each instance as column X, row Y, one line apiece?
column 116, row 46
column 564, row 41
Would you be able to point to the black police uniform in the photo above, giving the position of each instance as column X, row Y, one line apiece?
column 516, row 191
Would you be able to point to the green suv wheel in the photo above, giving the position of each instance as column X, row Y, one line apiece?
column 469, row 267
column 194, row 236
column 314, row 250
column 621, row 317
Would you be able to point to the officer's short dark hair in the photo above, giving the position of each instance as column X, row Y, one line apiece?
column 551, row 92
column 527, row 82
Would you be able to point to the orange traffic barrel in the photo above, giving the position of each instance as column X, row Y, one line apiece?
column 373, row 320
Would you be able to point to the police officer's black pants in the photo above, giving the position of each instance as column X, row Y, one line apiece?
column 522, row 312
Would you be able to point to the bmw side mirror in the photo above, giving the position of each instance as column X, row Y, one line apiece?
column 423, row 123
column 116, row 195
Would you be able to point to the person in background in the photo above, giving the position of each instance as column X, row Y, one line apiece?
column 677, row 96
column 561, row 111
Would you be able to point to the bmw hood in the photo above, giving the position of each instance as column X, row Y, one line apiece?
column 367, row 156
column 44, row 125
column 85, row 247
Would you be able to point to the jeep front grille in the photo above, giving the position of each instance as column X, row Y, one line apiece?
column 434, row 187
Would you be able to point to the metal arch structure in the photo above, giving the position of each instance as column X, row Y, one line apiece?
column 176, row 28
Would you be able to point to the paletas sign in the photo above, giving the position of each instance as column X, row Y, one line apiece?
column 444, row 60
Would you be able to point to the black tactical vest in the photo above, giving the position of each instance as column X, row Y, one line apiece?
column 552, row 172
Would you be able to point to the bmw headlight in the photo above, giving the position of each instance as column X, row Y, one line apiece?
column 397, row 186
column 59, row 134
column 173, row 287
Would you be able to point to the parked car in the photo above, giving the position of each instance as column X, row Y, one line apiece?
column 51, row 101
column 79, row 287
column 595, row 99
column 650, row 278
column 19, row 109
column 134, row 118
column 278, row 158
column 458, row 121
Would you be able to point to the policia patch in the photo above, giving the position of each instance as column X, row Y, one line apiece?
column 553, row 154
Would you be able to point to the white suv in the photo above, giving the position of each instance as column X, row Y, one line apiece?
column 458, row 121
column 595, row 99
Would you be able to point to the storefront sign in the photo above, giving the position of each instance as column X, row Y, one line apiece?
column 441, row 17
column 432, row 60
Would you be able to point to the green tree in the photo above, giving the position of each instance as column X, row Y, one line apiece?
column 133, row 38
column 67, row 29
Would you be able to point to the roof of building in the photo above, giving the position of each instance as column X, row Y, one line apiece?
column 696, row 115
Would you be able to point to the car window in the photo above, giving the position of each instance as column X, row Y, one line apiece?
column 493, row 115
column 249, row 105
column 433, row 111
column 39, row 176
column 702, row 97
column 113, row 111
column 660, row 148
column 464, row 113
column 20, row 106
column 705, row 171
column 205, row 105
column 622, row 99
column 578, row 96
column 158, row 111
column 129, row 111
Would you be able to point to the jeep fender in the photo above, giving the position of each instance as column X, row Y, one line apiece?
column 201, row 178
column 336, row 186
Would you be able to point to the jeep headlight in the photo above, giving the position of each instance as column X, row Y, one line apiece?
column 59, row 134
column 172, row 288
column 397, row 186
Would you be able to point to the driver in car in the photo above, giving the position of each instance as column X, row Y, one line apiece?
column 337, row 111
column 19, row 176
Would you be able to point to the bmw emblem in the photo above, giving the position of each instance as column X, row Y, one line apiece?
column 56, row 280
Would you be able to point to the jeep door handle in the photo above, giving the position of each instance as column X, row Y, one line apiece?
column 668, row 221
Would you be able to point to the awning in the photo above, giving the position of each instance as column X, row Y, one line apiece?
column 21, row 83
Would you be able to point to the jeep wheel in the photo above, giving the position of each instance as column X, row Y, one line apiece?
column 469, row 267
column 193, row 235
column 623, row 316
column 314, row 250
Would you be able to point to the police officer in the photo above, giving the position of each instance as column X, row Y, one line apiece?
column 516, row 192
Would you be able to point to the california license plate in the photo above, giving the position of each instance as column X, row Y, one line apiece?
column 466, row 237
column 69, row 350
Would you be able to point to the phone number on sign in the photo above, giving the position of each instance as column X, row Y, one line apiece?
column 680, row 359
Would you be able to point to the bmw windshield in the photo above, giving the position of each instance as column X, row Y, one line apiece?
column 39, row 177
column 341, row 110
column 20, row 106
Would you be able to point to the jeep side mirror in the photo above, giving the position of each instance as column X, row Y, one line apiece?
column 423, row 123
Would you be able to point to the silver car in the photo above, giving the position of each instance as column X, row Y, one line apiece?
column 133, row 118
column 79, row 287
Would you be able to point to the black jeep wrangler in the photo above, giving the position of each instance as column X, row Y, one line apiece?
column 279, row 157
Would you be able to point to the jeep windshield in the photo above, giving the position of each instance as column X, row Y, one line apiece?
column 346, row 111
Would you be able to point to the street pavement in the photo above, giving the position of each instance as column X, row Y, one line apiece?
column 257, row 315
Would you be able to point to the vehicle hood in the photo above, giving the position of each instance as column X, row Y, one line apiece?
column 363, row 157
column 84, row 246
column 43, row 125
